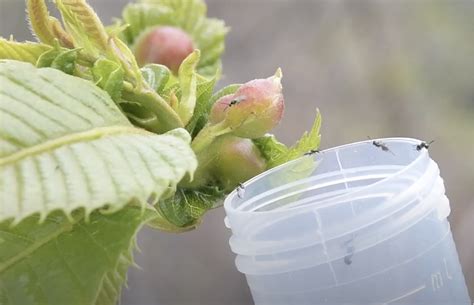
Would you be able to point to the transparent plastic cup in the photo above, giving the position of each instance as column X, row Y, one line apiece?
column 355, row 224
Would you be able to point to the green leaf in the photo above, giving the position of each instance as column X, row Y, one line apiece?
column 205, row 101
column 203, row 134
column 81, row 151
column 230, row 89
column 195, row 86
column 155, row 113
column 74, row 262
column 161, row 80
column 60, row 59
column 186, row 207
column 22, row 51
column 47, row 58
column 113, row 280
column 141, row 16
column 156, row 76
column 84, row 26
column 277, row 153
column 187, row 83
column 120, row 53
column 57, row 103
column 109, row 76
column 207, row 34
column 65, row 61
column 184, row 12
column 87, row 33
column 204, row 89
column 272, row 150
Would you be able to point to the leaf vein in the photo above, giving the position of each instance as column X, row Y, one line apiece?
column 98, row 244
column 47, row 99
column 33, row 247
column 120, row 150
column 23, row 121
column 88, row 135
column 31, row 106
column 66, row 264
column 35, row 275
column 75, row 98
column 103, row 159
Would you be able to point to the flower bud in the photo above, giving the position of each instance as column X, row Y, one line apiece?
column 254, row 109
column 165, row 45
column 218, row 111
column 237, row 160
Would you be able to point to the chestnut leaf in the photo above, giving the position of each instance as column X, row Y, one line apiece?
column 109, row 76
column 187, row 206
column 64, row 261
column 60, row 59
column 81, row 151
column 84, row 26
column 189, row 88
column 77, row 181
column 157, row 76
column 277, row 153
column 204, row 89
column 22, row 51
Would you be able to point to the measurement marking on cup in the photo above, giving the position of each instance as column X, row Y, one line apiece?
column 346, row 186
column 325, row 249
column 411, row 292
column 437, row 281
column 448, row 275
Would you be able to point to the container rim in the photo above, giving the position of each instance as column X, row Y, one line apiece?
column 422, row 155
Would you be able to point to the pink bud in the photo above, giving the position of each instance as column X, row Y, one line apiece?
column 254, row 109
column 164, row 45
column 237, row 160
column 218, row 110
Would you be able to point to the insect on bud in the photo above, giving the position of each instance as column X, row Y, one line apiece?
column 218, row 111
column 254, row 109
column 165, row 45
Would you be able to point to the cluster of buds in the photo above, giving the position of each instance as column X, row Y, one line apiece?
column 224, row 147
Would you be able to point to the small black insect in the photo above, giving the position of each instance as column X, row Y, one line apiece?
column 240, row 190
column 312, row 152
column 234, row 102
column 424, row 145
column 381, row 145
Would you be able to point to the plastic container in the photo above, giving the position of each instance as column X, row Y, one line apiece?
column 355, row 224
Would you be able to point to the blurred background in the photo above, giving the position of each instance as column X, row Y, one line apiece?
column 374, row 68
